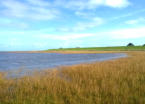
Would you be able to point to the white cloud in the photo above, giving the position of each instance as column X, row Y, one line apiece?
column 135, row 21
column 117, row 3
column 129, row 14
column 86, row 25
column 84, row 14
column 40, row 13
column 65, row 37
column 128, row 33
column 46, row 10
column 41, row 38
column 4, row 22
column 81, row 26
column 19, row 9
column 91, row 4
column 67, row 40
column 14, row 8
column 39, row 2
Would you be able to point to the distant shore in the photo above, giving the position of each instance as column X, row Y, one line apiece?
column 119, row 49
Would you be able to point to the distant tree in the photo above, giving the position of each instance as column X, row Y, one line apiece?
column 130, row 44
column 144, row 45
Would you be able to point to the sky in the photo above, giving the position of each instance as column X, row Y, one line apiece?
column 49, row 24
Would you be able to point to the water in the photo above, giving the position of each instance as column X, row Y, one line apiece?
column 33, row 61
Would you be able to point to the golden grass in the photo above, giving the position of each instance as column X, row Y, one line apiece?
column 120, row 81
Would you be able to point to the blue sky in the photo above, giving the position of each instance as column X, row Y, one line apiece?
column 47, row 24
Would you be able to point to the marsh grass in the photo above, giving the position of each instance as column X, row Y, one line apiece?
column 120, row 81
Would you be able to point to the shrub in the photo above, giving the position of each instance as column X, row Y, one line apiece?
column 130, row 44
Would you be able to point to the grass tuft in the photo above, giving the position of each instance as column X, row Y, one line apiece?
column 120, row 81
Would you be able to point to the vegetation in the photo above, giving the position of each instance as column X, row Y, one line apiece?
column 120, row 81
column 121, row 48
column 130, row 44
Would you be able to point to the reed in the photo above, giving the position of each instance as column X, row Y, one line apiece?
column 120, row 81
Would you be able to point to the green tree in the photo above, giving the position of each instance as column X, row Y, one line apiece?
column 130, row 44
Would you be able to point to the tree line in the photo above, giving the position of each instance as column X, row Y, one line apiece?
column 131, row 44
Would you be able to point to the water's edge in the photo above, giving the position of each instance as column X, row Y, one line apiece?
column 12, row 62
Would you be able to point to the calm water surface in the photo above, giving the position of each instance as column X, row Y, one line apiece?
column 32, row 61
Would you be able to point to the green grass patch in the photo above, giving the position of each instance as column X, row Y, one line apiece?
column 119, row 48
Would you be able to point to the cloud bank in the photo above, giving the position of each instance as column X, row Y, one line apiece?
column 47, row 10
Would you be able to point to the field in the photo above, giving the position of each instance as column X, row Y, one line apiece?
column 120, row 48
column 120, row 81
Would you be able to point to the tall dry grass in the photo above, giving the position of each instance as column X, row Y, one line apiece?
column 120, row 81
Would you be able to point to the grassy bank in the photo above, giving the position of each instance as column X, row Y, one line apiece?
column 121, row 48
column 88, row 50
column 120, row 81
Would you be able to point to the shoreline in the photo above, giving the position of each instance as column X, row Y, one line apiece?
column 71, row 51
column 100, row 80
column 120, row 55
